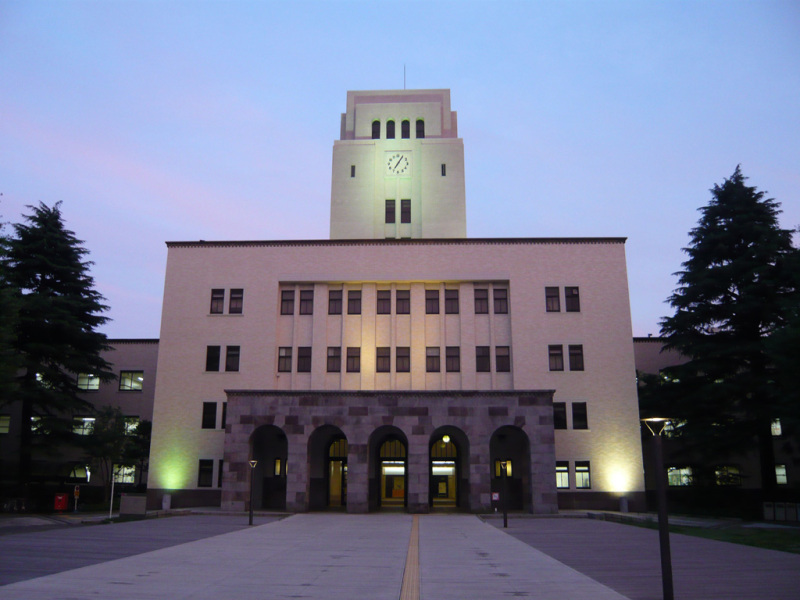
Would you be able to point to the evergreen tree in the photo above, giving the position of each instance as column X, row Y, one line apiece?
column 736, row 290
column 59, row 311
column 9, row 310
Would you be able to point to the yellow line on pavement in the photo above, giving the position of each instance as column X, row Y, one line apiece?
column 410, row 589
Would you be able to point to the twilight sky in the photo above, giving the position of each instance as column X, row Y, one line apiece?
column 172, row 121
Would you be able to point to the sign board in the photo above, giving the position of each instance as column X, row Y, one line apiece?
column 495, row 496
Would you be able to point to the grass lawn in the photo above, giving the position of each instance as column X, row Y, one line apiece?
column 786, row 539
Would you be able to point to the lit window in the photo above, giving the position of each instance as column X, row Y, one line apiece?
column 390, row 211
column 124, row 474
column 383, row 360
column 237, row 302
column 217, row 301
column 384, row 302
column 287, row 302
column 562, row 475
column 354, row 302
column 132, row 381
column 304, row 359
column 556, row 357
column 776, row 428
column 376, row 130
column 205, row 473
column 481, row 301
column 482, row 359
column 37, row 425
column 451, row 302
column 780, row 475
column 405, row 211
column 583, row 475
column 403, row 359
column 453, row 359
column 679, row 476
column 334, row 359
column 559, row 415
column 130, row 424
column 500, row 301
column 502, row 359
column 306, row 302
column 572, row 299
column 579, row 417
column 432, row 364
column 88, row 382
column 403, row 301
column 83, row 425
column 354, row 360
column 285, row 359
column 552, row 302
column 212, row 358
column 232, row 358
column 432, row 302
column 5, row 423
column 727, row 475
column 576, row 358
column 390, row 130
column 499, row 465
column 334, row 302
column 209, row 415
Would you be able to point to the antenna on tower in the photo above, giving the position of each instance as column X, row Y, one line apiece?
column 404, row 76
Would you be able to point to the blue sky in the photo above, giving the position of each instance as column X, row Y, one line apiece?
column 167, row 121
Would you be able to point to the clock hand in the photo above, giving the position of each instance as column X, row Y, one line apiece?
column 398, row 162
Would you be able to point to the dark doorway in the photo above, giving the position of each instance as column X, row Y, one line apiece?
column 270, row 448
column 510, row 447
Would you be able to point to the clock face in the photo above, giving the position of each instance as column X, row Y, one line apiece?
column 398, row 163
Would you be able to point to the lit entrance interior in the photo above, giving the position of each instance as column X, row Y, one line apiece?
column 393, row 474
column 337, row 473
column 444, row 476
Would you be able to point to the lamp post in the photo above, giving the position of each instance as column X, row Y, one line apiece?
column 253, row 464
column 504, row 474
column 656, row 426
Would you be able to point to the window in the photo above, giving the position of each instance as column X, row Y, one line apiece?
column 132, row 381
column 405, row 211
column 354, row 360
column 334, row 302
column 354, row 302
column 444, row 170
column 780, row 475
column 576, row 357
column 352, row 170
column 775, row 427
column 212, row 359
column 376, row 130
column 209, row 415
column 502, row 358
column 205, row 473
column 219, row 473
column 217, row 301
column 88, row 382
column 237, row 302
column 403, row 359
column 453, row 359
column 420, row 129
column 679, row 476
column 727, row 475
column 551, row 299
column 559, row 415
column 232, row 358
column 583, row 475
column 124, row 474
column 579, row 416
column 390, row 130
column 383, row 359
column 572, row 299
column 482, row 359
column 432, row 363
column 38, row 425
column 306, row 302
column 390, row 211
column 224, row 420
column 285, row 359
column 451, row 302
column 500, row 301
column 287, row 302
column 432, row 302
column 556, row 356
column 481, row 302
column 83, row 425
column 562, row 475
column 304, row 359
column 5, row 423
column 498, row 468
column 334, row 359
column 405, row 129
column 384, row 302
column 403, row 301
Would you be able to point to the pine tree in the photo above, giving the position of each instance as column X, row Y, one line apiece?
column 8, row 320
column 735, row 291
column 59, row 311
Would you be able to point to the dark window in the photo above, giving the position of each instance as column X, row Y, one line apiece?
column 405, row 129
column 572, row 299
column 217, row 301
column 389, row 130
column 432, row 302
column 304, row 359
column 481, row 301
column 334, row 359
column 576, row 358
column 353, row 302
column 420, row 129
column 432, row 359
column 390, row 211
column 403, row 300
column 285, row 359
column 287, row 302
column 376, row 130
column 556, row 354
column 562, row 474
column 405, row 211
column 237, row 302
column 384, row 302
column 212, row 358
column 579, row 418
column 306, row 302
column 500, row 301
column 352, row 170
column 559, row 415
column 224, row 421
column 232, row 358
column 132, row 381
column 502, row 359
column 444, row 170
column 205, row 473
column 583, row 475
column 334, row 302
column 551, row 299
column 354, row 360
column 219, row 473
column 403, row 359
column 383, row 360
column 482, row 359
column 451, row 302
column 453, row 359
column 209, row 415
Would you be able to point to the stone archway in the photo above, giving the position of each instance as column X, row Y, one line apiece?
column 327, row 468
column 269, row 446
column 448, row 469
column 388, row 468
column 510, row 445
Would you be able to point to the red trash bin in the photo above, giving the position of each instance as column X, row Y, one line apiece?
column 61, row 502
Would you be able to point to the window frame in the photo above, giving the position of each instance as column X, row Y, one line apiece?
column 560, row 415
column 86, row 382
column 334, row 360
column 306, row 302
column 432, row 302
column 213, row 356
column 433, row 359
column 334, row 303
column 405, row 129
column 555, row 357
column 131, row 375
column 287, row 302
column 304, row 359
column 383, row 359
column 209, row 416
column 562, row 474
column 353, row 359
column 402, row 302
column 483, row 359
column 453, row 359
column 405, row 210
column 236, row 301
column 284, row 359
column 481, row 301
column 390, row 129
column 390, row 217
column 233, row 355
column 217, row 301
column 500, row 301
column 376, row 129
column 353, row 302
column 572, row 298
column 580, row 415
column 552, row 299
column 576, row 359
column 402, row 359
column 383, row 303
column 451, row 302
column 583, row 475
column 205, row 472
column 419, row 132
column 502, row 359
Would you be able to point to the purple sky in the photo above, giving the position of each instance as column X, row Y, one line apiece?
column 156, row 121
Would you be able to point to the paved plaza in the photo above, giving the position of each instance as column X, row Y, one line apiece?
column 376, row 557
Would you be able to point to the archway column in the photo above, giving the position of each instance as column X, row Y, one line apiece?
column 417, row 474
column 297, row 474
column 357, row 479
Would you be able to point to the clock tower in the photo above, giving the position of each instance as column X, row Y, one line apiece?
column 398, row 168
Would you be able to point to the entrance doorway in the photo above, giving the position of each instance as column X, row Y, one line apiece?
column 269, row 447
column 509, row 454
column 393, row 473
column 337, row 473
column 444, row 473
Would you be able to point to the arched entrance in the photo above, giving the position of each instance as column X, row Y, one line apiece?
column 448, row 469
column 388, row 469
column 269, row 446
column 510, row 447
column 327, row 468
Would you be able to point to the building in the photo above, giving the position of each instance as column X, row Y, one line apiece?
column 400, row 364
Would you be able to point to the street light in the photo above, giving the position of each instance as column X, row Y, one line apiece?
column 253, row 464
column 656, row 425
column 504, row 474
